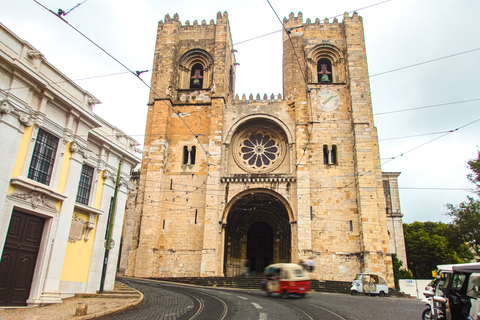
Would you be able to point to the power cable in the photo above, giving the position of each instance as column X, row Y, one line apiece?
column 339, row 15
column 63, row 13
column 423, row 144
column 136, row 74
column 428, row 61
column 425, row 107
column 81, row 79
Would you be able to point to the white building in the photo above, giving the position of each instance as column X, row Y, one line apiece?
column 58, row 169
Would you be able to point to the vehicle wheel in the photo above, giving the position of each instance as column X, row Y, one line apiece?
column 269, row 294
column 427, row 314
column 353, row 292
column 302, row 295
column 285, row 294
column 381, row 294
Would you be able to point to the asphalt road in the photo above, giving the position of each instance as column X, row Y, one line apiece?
column 164, row 300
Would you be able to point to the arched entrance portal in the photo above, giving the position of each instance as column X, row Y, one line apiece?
column 259, row 246
column 257, row 230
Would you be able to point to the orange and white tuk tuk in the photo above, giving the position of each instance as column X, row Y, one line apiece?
column 286, row 279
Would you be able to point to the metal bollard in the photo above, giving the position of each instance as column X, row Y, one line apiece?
column 81, row 309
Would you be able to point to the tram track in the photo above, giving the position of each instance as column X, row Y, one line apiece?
column 207, row 305
column 200, row 303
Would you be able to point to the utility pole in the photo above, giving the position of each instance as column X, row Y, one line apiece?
column 108, row 240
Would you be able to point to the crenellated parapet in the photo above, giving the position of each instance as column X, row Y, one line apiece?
column 251, row 99
column 221, row 19
column 326, row 23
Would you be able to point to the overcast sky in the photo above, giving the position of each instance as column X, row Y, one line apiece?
column 398, row 33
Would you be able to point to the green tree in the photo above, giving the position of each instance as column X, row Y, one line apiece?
column 398, row 272
column 466, row 215
column 429, row 244
column 474, row 177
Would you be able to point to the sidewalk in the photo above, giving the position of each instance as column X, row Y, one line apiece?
column 121, row 298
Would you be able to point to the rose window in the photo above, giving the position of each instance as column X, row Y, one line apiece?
column 259, row 150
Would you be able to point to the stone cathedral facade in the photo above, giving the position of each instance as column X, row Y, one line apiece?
column 270, row 179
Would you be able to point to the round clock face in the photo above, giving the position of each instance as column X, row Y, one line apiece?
column 327, row 100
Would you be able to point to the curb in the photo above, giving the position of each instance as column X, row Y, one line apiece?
column 114, row 310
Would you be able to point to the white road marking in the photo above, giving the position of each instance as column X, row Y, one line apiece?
column 242, row 298
column 257, row 305
column 263, row 316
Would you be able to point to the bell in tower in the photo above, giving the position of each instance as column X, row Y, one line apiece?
column 197, row 77
column 324, row 74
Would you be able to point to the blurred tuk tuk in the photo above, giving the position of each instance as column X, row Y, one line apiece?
column 286, row 279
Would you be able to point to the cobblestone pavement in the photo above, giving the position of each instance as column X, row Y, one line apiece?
column 66, row 310
column 163, row 300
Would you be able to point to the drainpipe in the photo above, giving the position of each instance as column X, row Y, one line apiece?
column 108, row 241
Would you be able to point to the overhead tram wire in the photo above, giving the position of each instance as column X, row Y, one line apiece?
column 287, row 32
column 81, row 79
column 420, row 63
column 136, row 75
column 423, row 144
column 425, row 107
column 338, row 15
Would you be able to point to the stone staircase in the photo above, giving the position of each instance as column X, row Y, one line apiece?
column 120, row 291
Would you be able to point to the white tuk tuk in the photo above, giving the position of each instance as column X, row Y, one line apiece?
column 372, row 284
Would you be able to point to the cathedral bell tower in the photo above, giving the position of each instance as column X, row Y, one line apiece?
column 325, row 72
column 193, row 76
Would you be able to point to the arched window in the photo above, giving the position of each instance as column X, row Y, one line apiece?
column 325, row 154
column 196, row 76
column 192, row 155
column 189, row 155
column 195, row 68
column 185, row 155
column 324, row 71
column 329, row 154
column 326, row 64
column 333, row 155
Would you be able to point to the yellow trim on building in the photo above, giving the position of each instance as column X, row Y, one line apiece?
column 99, row 193
column 21, row 155
column 76, row 264
column 62, row 182
column 78, row 255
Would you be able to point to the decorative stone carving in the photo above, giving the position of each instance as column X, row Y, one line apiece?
column 119, row 134
column 87, row 154
column 5, row 107
column 37, row 199
column 25, row 119
column 77, row 229
column 92, row 101
column 168, row 92
column 74, row 147
column 133, row 143
column 89, row 226
column 213, row 88
column 106, row 174
column 34, row 54
column 34, row 132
